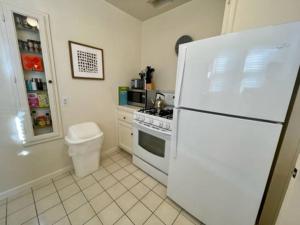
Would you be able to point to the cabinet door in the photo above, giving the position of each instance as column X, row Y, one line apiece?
column 125, row 136
column 31, row 57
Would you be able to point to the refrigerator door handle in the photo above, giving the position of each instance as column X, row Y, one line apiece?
column 180, row 74
column 174, row 133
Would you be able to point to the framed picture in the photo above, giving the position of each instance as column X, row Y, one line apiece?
column 86, row 61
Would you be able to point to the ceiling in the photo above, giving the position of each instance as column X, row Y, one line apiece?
column 143, row 10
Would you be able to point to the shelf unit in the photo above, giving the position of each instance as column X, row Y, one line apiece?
column 32, row 59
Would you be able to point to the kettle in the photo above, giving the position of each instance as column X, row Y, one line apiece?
column 159, row 102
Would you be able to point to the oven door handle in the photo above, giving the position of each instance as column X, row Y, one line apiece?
column 138, row 124
column 174, row 133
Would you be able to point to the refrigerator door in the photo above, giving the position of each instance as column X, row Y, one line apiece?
column 220, row 166
column 248, row 74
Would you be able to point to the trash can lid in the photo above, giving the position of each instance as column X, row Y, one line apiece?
column 83, row 131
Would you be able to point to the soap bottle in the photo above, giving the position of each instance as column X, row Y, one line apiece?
column 33, row 84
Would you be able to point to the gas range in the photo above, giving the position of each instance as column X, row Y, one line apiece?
column 159, row 120
column 152, row 141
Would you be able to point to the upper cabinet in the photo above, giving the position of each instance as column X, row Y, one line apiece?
column 30, row 49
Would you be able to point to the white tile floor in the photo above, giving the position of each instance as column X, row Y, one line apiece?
column 118, row 193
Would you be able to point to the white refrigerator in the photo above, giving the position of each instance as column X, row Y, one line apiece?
column 233, row 93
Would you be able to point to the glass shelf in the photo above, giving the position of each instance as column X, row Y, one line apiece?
column 39, row 107
column 32, row 91
column 30, row 52
column 28, row 29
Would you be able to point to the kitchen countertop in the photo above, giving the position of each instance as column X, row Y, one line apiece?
column 128, row 108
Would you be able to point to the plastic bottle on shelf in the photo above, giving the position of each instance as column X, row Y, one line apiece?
column 28, row 85
column 39, row 84
column 48, row 119
column 33, row 85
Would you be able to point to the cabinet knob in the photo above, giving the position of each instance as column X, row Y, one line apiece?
column 124, row 117
column 131, row 134
column 50, row 81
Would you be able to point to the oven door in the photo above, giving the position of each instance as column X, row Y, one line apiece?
column 152, row 146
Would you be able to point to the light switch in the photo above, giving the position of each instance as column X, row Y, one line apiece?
column 65, row 100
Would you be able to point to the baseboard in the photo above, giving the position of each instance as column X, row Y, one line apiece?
column 26, row 186
column 109, row 151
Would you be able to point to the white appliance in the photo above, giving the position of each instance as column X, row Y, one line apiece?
column 152, row 140
column 231, row 101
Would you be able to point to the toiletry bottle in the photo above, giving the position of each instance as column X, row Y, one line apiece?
column 40, row 84
column 48, row 120
column 33, row 85
column 33, row 116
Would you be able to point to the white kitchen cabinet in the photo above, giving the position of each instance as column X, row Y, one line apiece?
column 31, row 59
column 125, row 136
column 124, row 126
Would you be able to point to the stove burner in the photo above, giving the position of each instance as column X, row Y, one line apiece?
column 165, row 113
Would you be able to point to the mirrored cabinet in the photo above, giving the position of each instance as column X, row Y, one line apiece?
column 28, row 36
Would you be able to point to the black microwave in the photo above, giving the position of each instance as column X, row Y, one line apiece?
column 136, row 97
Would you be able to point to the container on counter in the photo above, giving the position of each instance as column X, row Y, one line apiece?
column 123, row 95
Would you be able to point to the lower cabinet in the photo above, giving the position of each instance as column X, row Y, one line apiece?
column 124, row 126
column 125, row 136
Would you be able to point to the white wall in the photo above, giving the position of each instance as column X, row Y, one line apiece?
column 257, row 13
column 92, row 22
column 198, row 18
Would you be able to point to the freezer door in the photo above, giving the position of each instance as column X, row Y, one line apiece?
column 249, row 74
column 220, row 165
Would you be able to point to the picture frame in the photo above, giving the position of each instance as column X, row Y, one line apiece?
column 87, row 62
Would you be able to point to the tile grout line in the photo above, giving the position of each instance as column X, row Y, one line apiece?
column 87, row 199
column 35, row 207
column 110, row 173
column 113, row 201
column 61, row 202
column 138, row 200
column 177, row 216
column 118, row 181
column 30, row 190
column 104, row 190
column 45, row 198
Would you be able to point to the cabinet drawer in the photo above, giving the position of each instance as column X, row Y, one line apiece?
column 125, row 116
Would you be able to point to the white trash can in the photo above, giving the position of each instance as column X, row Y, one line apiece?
column 85, row 141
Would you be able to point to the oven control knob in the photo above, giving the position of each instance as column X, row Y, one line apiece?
column 142, row 118
column 161, row 124
column 150, row 120
column 167, row 126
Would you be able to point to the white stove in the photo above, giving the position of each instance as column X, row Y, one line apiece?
column 151, row 141
column 160, row 123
